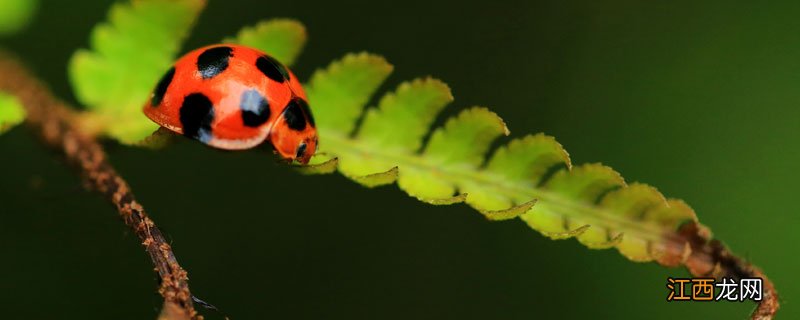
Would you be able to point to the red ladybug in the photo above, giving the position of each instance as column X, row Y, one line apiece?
column 235, row 97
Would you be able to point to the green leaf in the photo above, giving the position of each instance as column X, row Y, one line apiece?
column 16, row 14
column 283, row 39
column 128, row 54
column 339, row 92
column 411, row 108
column 460, row 144
column 319, row 167
column 530, row 177
column 11, row 112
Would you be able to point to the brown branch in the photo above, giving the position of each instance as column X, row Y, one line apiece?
column 710, row 257
column 694, row 248
column 54, row 121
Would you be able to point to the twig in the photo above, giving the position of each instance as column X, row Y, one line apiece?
column 54, row 121
column 704, row 257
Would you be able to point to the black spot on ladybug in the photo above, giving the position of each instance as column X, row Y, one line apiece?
column 196, row 113
column 161, row 87
column 213, row 61
column 272, row 68
column 304, row 105
column 255, row 108
column 293, row 115
column 301, row 149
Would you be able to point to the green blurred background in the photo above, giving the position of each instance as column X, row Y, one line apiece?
column 698, row 98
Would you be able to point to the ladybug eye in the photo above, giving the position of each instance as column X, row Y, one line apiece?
column 301, row 149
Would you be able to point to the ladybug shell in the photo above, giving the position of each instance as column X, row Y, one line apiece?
column 235, row 97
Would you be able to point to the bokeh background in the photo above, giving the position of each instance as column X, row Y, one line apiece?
column 698, row 98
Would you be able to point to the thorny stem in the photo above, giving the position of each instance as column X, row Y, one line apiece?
column 54, row 121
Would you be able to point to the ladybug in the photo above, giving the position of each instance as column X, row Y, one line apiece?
column 234, row 97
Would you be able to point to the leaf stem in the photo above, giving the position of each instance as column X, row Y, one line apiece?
column 57, row 125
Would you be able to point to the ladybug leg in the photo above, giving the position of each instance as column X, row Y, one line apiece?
column 158, row 139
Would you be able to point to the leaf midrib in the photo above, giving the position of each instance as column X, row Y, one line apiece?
column 560, row 205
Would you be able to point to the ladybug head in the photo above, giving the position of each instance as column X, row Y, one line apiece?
column 294, row 134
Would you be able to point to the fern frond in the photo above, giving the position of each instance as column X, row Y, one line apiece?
column 128, row 54
column 283, row 39
column 11, row 112
column 531, row 178
column 589, row 202
column 16, row 14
